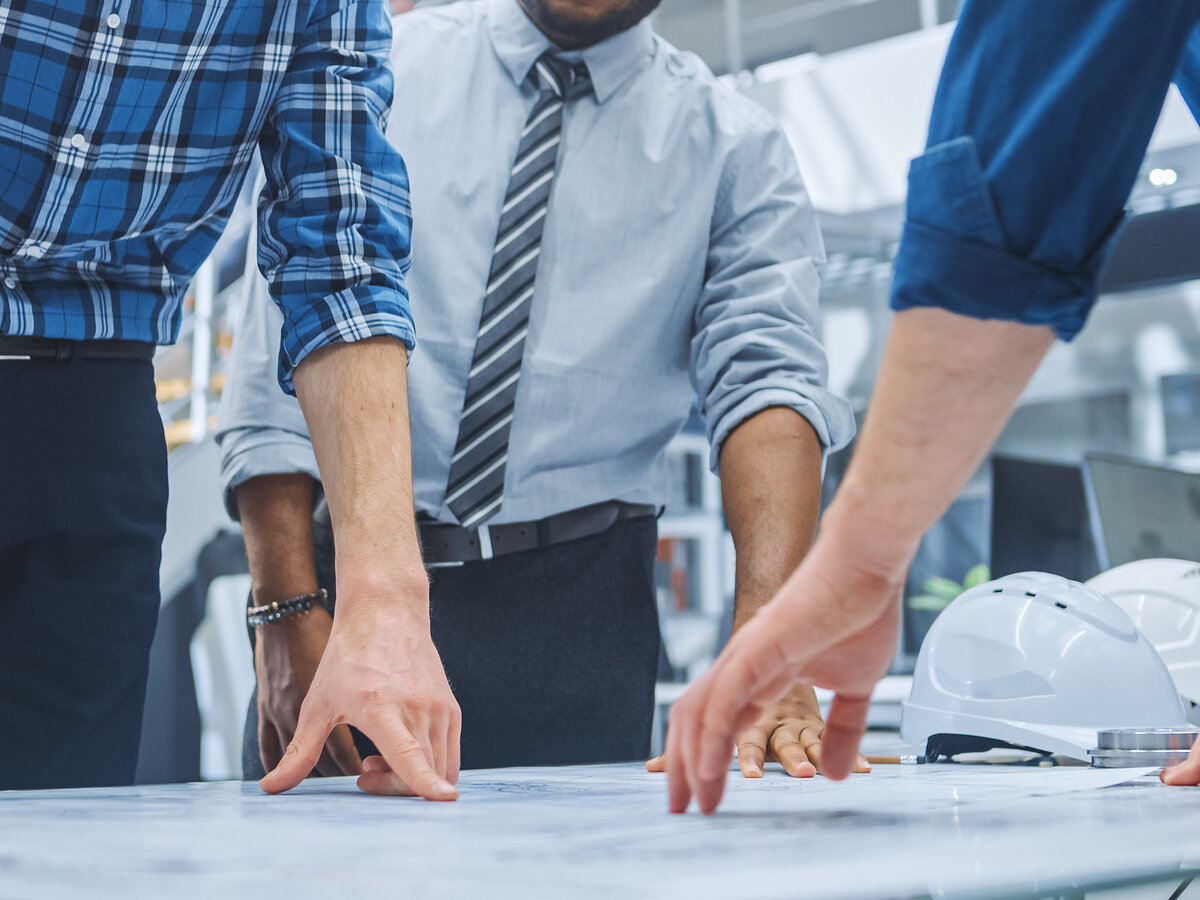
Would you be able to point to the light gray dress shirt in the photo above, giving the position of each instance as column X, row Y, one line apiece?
column 679, row 256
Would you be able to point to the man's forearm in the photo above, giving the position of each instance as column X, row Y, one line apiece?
column 276, row 513
column 771, row 489
column 355, row 400
column 945, row 390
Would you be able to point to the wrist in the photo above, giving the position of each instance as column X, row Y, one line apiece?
column 279, row 611
column 400, row 593
column 747, row 603
column 368, row 563
column 263, row 594
column 856, row 528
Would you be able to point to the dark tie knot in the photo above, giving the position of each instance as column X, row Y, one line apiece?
column 554, row 74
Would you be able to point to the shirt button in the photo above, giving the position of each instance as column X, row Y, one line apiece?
column 78, row 141
column 10, row 283
column 113, row 20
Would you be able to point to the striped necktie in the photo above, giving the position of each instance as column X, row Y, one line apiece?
column 476, row 485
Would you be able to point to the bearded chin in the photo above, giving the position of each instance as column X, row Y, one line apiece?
column 586, row 33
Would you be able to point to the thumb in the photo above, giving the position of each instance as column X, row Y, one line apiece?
column 843, row 731
column 302, row 753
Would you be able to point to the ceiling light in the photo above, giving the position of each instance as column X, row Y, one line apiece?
column 1163, row 177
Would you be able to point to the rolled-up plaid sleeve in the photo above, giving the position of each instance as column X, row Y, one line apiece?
column 335, row 224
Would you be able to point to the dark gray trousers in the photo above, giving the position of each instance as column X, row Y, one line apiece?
column 552, row 654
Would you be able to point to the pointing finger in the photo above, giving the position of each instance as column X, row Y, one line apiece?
column 843, row 732
column 678, row 786
column 410, row 762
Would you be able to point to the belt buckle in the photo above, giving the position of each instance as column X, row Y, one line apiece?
column 485, row 541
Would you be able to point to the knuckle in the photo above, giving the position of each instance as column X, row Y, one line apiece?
column 409, row 746
column 812, row 734
column 372, row 698
column 753, row 741
column 412, row 707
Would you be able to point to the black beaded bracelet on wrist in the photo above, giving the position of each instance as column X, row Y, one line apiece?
column 284, row 609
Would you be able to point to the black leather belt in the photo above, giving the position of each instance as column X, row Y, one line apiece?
column 447, row 545
column 19, row 348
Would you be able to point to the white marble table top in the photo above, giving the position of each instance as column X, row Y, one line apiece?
column 604, row 831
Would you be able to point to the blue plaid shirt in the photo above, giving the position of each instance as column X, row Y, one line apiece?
column 127, row 128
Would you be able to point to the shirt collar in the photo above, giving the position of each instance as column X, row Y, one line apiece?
column 610, row 63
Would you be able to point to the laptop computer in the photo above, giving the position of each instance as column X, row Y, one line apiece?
column 1141, row 510
column 1040, row 519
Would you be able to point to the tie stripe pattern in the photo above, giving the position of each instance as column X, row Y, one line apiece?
column 476, row 484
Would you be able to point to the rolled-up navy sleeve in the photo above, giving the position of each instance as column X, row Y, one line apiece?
column 1040, row 125
column 335, row 221
column 260, row 429
column 755, row 344
column 1187, row 77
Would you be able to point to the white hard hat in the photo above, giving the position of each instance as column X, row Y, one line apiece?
column 1038, row 662
column 1162, row 597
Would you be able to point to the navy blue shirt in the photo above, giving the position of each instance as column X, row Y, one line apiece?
column 1039, row 128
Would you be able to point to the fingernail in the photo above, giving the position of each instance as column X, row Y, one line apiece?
column 446, row 787
column 753, row 771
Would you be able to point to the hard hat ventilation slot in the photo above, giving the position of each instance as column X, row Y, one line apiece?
column 1060, row 605
column 1031, row 593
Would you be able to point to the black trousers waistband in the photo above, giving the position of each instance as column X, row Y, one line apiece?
column 28, row 348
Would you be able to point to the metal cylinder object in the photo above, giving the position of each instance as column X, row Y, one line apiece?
column 1129, row 747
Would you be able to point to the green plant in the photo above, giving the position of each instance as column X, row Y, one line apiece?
column 940, row 591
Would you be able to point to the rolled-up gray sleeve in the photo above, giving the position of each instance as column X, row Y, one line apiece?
column 260, row 429
column 755, row 344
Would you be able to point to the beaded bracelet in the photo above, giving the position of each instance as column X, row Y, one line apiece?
column 285, row 609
